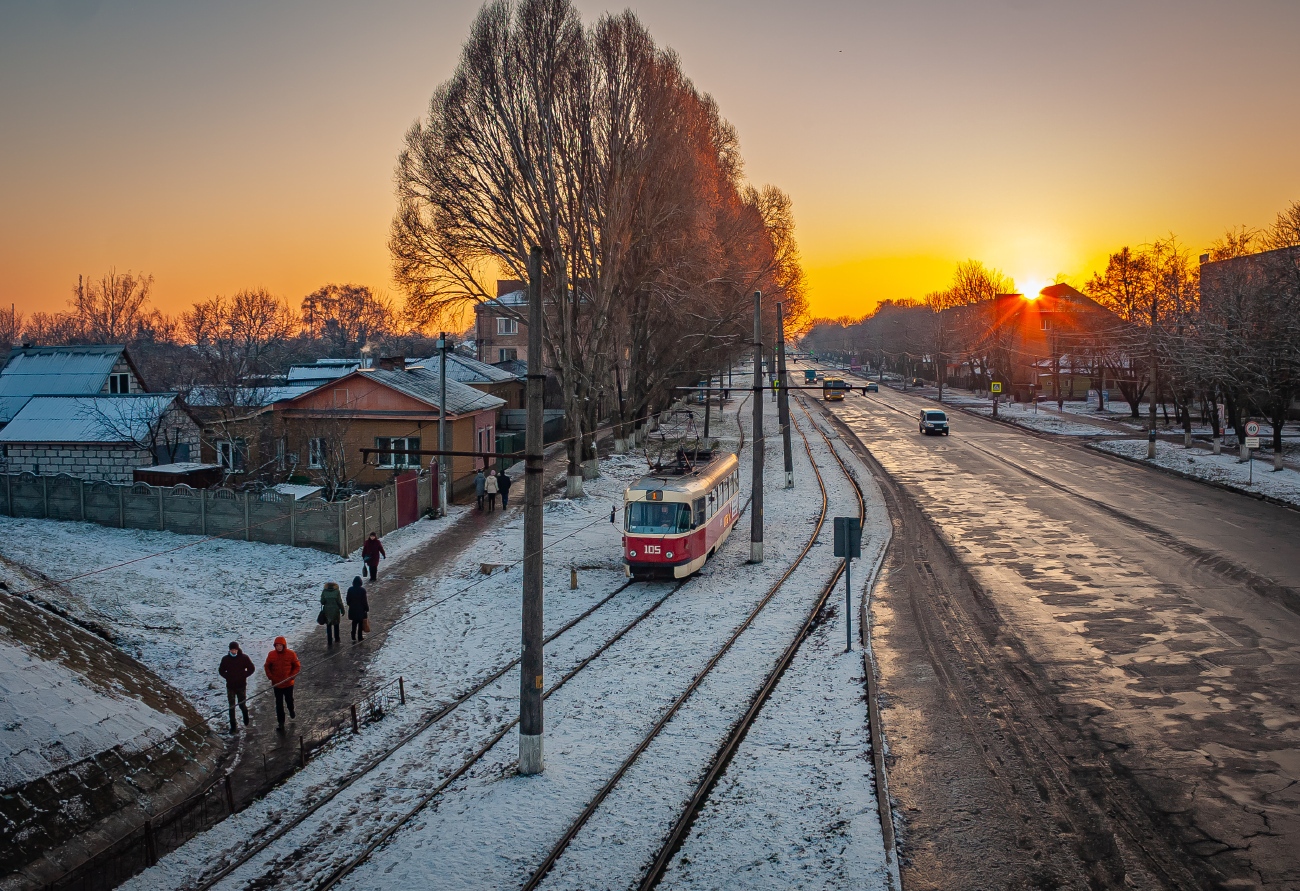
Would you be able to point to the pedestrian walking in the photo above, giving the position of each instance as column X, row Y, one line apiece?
column 503, row 486
column 358, row 609
column 490, row 487
column 480, row 488
column 371, row 551
column 236, row 668
column 331, row 610
column 281, row 667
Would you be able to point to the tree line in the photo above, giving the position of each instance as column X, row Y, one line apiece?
column 591, row 143
column 1178, row 333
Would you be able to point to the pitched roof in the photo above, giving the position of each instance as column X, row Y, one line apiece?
column 322, row 370
column 467, row 370
column 422, row 384
column 101, row 419
column 74, row 370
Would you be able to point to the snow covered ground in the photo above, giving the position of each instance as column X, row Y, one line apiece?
column 1283, row 484
column 1021, row 414
column 175, row 601
column 462, row 625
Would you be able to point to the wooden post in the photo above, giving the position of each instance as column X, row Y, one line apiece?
column 401, row 689
column 756, row 478
column 530, row 664
column 230, row 795
column 356, row 727
column 150, row 849
column 302, row 751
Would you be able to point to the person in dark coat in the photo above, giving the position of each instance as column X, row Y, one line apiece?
column 358, row 607
column 282, row 667
column 503, row 486
column 236, row 668
column 331, row 607
column 480, row 488
column 371, row 551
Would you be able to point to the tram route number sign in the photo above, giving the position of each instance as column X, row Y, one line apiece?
column 848, row 537
column 996, row 387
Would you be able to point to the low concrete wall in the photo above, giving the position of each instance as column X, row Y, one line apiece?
column 336, row 527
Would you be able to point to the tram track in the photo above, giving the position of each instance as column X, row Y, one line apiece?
column 736, row 735
column 428, row 723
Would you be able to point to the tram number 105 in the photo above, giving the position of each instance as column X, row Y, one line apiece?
column 652, row 549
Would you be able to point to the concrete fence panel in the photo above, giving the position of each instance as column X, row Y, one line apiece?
column 63, row 496
column 143, row 509
column 103, row 503
column 28, row 495
column 183, row 510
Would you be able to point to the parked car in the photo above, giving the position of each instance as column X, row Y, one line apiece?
column 873, row 387
column 934, row 422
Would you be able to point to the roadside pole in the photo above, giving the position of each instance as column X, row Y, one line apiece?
column 443, row 488
column 756, row 479
column 708, row 404
column 783, row 397
column 530, row 666
column 848, row 544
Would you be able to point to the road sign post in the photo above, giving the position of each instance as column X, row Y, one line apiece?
column 848, row 544
column 996, row 389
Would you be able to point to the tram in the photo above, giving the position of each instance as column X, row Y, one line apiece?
column 674, row 520
column 833, row 389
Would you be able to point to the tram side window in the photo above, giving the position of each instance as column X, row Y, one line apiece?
column 657, row 517
column 699, row 511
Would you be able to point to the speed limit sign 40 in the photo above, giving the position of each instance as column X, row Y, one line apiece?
column 1252, row 428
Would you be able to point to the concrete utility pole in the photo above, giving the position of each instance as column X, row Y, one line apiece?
column 783, row 400
column 443, row 488
column 1151, row 434
column 756, row 480
column 530, row 666
column 708, row 403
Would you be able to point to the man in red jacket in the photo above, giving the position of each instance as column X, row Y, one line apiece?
column 371, row 551
column 282, row 666
column 236, row 668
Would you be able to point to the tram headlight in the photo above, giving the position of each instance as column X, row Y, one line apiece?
column 669, row 555
column 631, row 553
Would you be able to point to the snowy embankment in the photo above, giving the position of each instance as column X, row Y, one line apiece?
column 1020, row 414
column 1284, row 485
column 175, row 601
column 462, row 625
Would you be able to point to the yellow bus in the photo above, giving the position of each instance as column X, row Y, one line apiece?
column 832, row 389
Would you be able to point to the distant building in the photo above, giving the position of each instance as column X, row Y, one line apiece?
column 479, row 375
column 500, row 329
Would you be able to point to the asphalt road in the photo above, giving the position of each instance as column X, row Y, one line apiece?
column 1090, row 667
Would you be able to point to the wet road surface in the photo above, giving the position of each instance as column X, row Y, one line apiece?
column 1090, row 668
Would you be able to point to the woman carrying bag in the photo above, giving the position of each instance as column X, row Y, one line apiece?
column 358, row 609
column 331, row 612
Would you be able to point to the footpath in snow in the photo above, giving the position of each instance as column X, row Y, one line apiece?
column 463, row 625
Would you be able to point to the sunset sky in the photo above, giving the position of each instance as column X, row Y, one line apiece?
column 223, row 145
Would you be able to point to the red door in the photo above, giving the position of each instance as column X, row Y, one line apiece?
column 408, row 499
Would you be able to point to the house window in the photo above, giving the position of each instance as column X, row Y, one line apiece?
column 279, row 453
column 506, row 355
column 507, row 326
column 231, row 454
column 1046, row 326
column 340, row 398
column 398, row 443
column 316, row 452
column 119, row 383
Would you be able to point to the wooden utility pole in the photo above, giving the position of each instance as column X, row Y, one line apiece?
column 783, row 397
column 530, row 666
column 756, row 480
column 443, row 488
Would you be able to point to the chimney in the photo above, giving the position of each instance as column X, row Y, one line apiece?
column 1205, row 258
column 392, row 363
column 508, row 286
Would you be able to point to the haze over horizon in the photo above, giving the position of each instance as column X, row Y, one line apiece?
column 234, row 145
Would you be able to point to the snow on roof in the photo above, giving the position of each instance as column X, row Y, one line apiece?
column 182, row 467
column 322, row 370
column 104, row 419
column 422, row 384
column 247, row 397
column 299, row 491
column 467, row 370
column 74, row 370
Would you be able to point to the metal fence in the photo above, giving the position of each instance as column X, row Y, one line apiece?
column 336, row 527
column 167, row 831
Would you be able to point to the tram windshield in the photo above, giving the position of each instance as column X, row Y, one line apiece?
column 657, row 517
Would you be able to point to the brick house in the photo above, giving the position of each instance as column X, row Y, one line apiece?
column 317, row 436
column 481, row 376
column 99, row 437
column 500, row 329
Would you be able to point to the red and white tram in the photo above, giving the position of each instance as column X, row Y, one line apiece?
column 675, row 520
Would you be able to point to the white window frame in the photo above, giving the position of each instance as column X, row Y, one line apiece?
column 228, row 451
column 119, row 382
column 507, row 325
column 399, row 443
column 316, row 452
column 280, row 448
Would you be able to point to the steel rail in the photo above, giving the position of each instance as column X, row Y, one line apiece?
column 741, row 728
column 576, row 826
column 383, row 756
